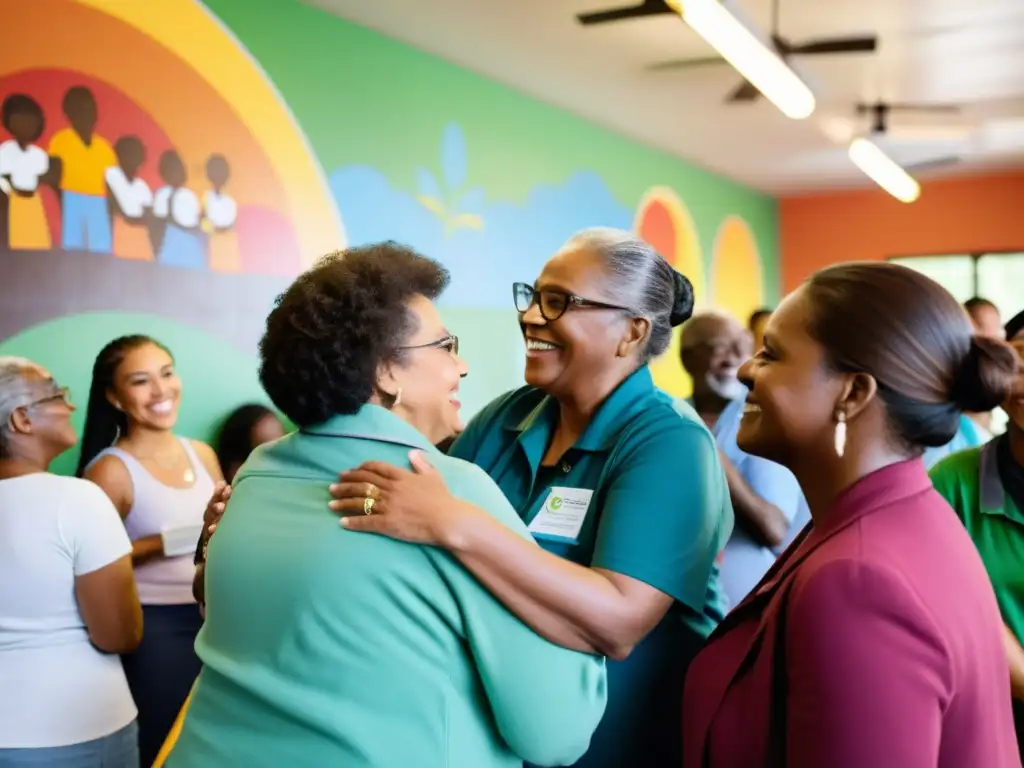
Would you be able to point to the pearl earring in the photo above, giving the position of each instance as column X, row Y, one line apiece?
column 840, row 434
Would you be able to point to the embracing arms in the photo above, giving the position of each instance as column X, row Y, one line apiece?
column 656, row 543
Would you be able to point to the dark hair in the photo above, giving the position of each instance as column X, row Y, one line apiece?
column 913, row 337
column 169, row 165
column 335, row 325
column 1014, row 325
column 130, row 147
column 234, row 439
column 976, row 302
column 217, row 166
column 103, row 422
column 640, row 278
column 76, row 96
column 757, row 316
column 22, row 104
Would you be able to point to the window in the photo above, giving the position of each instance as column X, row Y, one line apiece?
column 1001, row 281
column 997, row 277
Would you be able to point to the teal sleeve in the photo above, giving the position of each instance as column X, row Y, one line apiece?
column 667, row 512
column 547, row 701
column 467, row 445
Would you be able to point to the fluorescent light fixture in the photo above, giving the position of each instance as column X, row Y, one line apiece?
column 884, row 171
column 750, row 57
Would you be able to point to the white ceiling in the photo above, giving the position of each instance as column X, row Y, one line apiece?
column 970, row 54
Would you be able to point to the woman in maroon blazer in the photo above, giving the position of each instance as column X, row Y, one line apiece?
column 875, row 640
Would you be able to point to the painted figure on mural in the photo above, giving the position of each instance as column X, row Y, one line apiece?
column 85, row 157
column 131, row 201
column 24, row 168
column 220, row 212
column 179, row 213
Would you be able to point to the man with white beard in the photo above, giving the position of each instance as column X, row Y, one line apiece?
column 770, row 509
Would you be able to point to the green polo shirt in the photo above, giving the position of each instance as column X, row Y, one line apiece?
column 969, row 481
column 324, row 647
column 657, row 510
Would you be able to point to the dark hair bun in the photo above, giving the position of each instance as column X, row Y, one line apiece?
column 682, row 305
column 986, row 376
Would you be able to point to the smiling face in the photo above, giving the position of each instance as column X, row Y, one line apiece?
column 585, row 342
column 715, row 346
column 428, row 375
column 147, row 388
column 47, row 417
column 792, row 402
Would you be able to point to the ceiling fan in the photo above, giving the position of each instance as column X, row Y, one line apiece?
column 646, row 8
column 783, row 46
column 879, row 113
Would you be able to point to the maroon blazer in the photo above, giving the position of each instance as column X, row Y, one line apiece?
column 874, row 642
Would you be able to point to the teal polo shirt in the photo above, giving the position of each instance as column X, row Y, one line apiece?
column 658, row 510
column 325, row 647
column 969, row 481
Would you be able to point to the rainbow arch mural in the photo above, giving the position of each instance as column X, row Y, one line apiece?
column 172, row 76
column 168, row 166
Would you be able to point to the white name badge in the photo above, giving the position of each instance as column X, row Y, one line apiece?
column 562, row 515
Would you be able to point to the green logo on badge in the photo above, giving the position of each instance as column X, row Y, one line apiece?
column 556, row 503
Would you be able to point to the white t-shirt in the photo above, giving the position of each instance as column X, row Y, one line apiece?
column 180, row 205
column 22, row 166
column 221, row 209
column 133, row 197
column 56, row 688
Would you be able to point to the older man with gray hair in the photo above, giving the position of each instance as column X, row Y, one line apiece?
column 68, row 603
column 766, row 497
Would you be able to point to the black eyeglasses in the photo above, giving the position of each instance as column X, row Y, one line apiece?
column 450, row 343
column 553, row 304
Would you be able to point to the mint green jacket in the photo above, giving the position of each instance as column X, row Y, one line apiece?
column 323, row 647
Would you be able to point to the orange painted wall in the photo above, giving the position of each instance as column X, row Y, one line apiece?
column 958, row 215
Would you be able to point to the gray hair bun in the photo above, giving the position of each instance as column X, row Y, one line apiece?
column 682, row 306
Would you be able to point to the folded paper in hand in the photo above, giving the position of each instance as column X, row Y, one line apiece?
column 181, row 540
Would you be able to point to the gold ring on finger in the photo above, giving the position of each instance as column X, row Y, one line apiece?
column 368, row 505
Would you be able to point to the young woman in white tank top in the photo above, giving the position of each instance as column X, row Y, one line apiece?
column 160, row 483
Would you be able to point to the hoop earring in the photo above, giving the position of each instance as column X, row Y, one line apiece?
column 398, row 398
column 840, row 434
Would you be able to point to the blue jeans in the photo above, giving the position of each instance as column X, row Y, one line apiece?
column 118, row 750
column 85, row 223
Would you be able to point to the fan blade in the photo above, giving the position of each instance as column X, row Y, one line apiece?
column 662, row 66
column 745, row 92
column 937, row 108
column 837, row 45
column 928, row 165
column 646, row 8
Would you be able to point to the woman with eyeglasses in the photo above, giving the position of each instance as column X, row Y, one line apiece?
column 626, row 497
column 325, row 649
column 68, row 603
column 159, row 482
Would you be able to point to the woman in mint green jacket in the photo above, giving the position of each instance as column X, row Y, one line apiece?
column 325, row 649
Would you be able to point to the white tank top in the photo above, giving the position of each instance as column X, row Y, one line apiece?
column 167, row 580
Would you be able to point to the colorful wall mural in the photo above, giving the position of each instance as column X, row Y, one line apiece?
column 168, row 167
